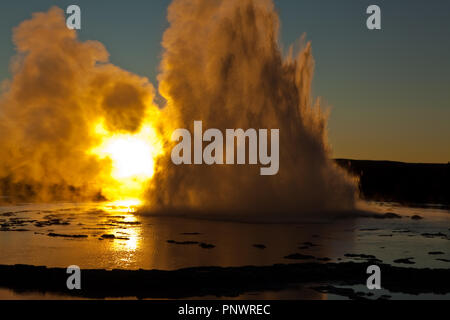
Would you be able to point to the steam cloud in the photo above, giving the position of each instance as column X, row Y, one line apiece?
column 60, row 87
column 222, row 65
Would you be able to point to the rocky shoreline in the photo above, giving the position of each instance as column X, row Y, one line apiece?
column 218, row 281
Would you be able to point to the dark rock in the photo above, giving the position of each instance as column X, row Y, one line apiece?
column 50, row 222
column 206, row 246
column 67, row 235
column 391, row 215
column 108, row 236
column 111, row 237
column 416, row 217
column 433, row 235
column 228, row 281
column 182, row 242
column 401, row 231
column 130, row 223
column 405, row 261
column 309, row 244
column 7, row 214
column 387, row 215
column 325, row 259
column 435, row 252
column 259, row 246
column 362, row 256
column 298, row 256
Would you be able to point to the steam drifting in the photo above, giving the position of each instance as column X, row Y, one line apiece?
column 60, row 89
column 67, row 116
column 222, row 65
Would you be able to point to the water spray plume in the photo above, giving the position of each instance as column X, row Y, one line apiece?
column 222, row 64
column 73, row 126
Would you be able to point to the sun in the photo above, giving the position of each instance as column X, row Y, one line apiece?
column 132, row 158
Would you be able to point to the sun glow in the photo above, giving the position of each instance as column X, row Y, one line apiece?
column 132, row 158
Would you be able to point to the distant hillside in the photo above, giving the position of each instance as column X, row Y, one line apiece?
column 409, row 183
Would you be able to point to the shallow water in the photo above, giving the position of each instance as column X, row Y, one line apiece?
column 142, row 241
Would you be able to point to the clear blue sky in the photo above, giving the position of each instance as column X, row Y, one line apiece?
column 389, row 90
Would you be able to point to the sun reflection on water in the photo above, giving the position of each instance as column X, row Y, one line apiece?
column 123, row 206
column 125, row 226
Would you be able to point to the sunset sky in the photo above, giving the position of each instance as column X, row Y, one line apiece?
column 388, row 90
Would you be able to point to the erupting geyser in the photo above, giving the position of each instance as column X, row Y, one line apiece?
column 72, row 125
column 222, row 64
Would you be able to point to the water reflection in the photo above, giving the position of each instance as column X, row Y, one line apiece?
column 125, row 206
column 124, row 229
column 114, row 235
